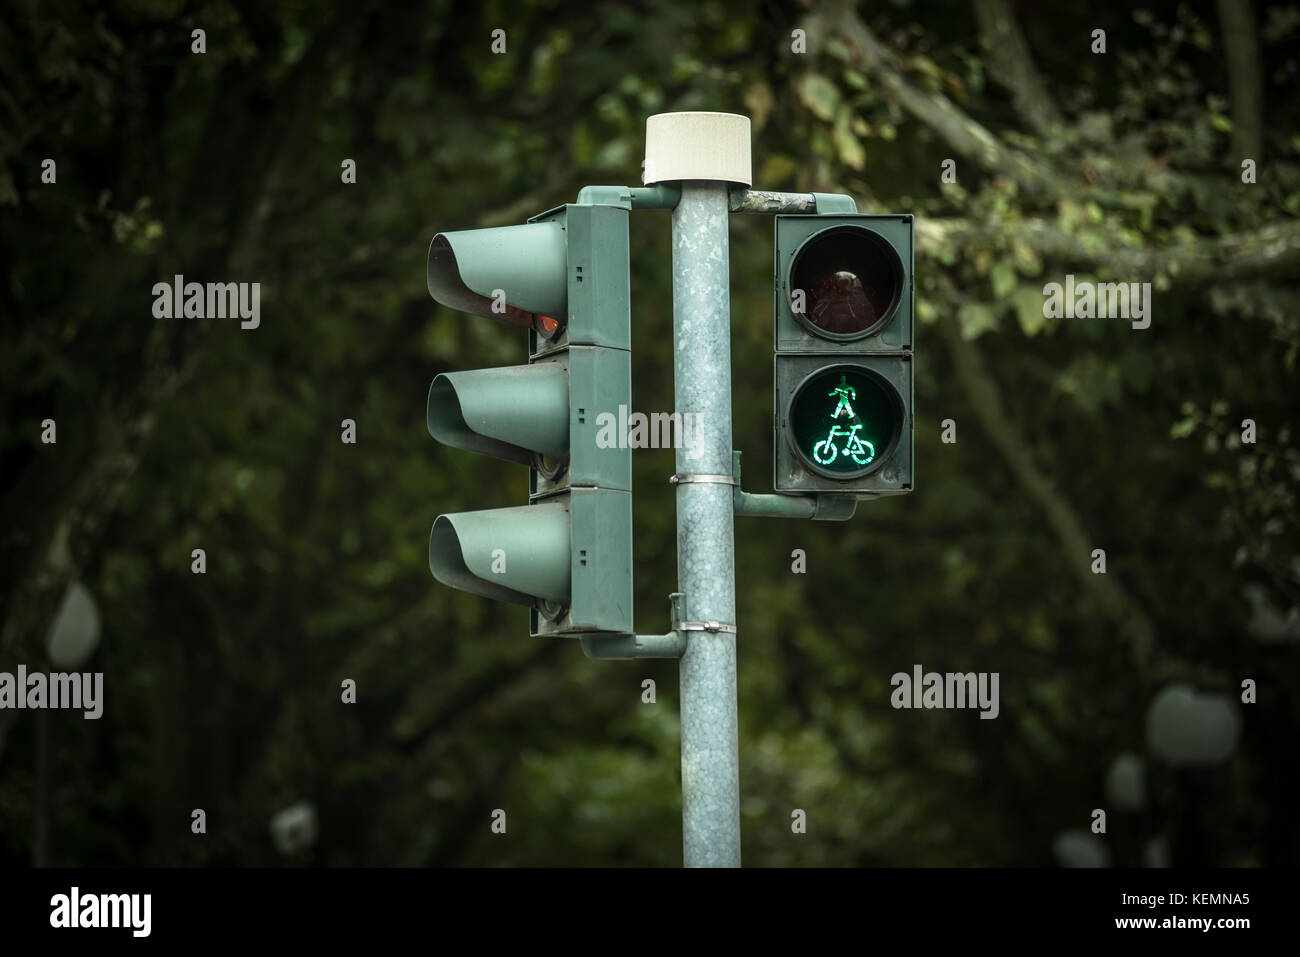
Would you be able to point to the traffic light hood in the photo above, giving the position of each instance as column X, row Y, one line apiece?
column 509, row 554
column 506, row 272
column 508, row 413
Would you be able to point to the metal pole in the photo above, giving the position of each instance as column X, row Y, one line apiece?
column 705, row 533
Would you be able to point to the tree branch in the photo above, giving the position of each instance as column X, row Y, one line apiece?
column 1012, row 65
column 968, row 137
column 1245, row 85
column 61, row 541
column 1272, row 250
column 987, row 404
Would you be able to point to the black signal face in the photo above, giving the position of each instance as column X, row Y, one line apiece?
column 851, row 282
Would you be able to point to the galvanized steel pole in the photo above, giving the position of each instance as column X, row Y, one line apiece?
column 705, row 532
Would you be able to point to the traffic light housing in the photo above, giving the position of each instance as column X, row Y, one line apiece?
column 842, row 413
column 567, row 554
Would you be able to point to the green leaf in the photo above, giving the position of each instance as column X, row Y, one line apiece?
column 1069, row 215
column 818, row 94
column 760, row 101
column 976, row 319
column 1182, row 428
column 924, row 65
column 777, row 168
column 846, row 144
column 838, row 49
column 1028, row 303
column 1027, row 259
column 1003, row 276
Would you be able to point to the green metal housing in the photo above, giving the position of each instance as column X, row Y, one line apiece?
column 550, row 408
column 567, row 555
column 884, row 350
column 568, row 558
column 600, row 566
column 597, row 289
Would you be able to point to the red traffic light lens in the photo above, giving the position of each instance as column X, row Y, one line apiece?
column 851, row 282
column 546, row 325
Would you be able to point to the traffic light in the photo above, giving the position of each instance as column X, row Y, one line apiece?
column 567, row 554
column 843, row 364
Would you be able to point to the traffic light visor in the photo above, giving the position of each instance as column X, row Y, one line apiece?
column 517, row 555
column 508, row 413
column 515, row 274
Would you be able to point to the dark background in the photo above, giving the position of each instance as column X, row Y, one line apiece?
column 223, row 690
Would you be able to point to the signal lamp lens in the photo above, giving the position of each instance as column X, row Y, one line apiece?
column 844, row 421
column 852, row 282
column 546, row 325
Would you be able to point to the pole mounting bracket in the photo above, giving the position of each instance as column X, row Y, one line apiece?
column 678, row 601
column 686, row 478
column 712, row 627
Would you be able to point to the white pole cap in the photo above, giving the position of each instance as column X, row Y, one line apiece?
column 703, row 146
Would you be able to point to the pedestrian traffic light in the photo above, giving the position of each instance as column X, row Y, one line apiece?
column 567, row 554
column 843, row 365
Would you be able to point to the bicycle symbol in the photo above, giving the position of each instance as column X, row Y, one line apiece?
column 858, row 449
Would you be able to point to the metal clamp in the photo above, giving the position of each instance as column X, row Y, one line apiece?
column 713, row 627
column 686, row 479
column 678, row 601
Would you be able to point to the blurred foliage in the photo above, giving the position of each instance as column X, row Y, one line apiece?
column 223, row 689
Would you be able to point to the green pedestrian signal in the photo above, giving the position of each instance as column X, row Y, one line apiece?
column 847, row 430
